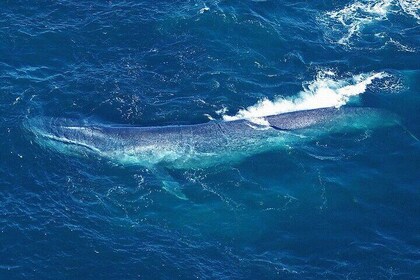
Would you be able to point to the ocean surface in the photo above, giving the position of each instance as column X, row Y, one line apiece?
column 345, row 205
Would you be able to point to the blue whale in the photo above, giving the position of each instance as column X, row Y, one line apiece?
column 201, row 145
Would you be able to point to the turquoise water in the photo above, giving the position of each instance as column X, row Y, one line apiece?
column 341, row 205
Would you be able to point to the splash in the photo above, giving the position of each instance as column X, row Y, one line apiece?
column 323, row 92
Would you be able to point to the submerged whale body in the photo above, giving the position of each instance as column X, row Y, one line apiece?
column 200, row 145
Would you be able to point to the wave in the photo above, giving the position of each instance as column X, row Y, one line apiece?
column 323, row 92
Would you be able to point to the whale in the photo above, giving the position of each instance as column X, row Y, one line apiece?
column 203, row 145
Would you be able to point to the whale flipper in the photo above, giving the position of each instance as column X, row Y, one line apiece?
column 173, row 187
column 169, row 183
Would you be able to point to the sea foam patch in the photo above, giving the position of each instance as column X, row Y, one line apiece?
column 345, row 25
column 325, row 91
column 411, row 7
column 358, row 14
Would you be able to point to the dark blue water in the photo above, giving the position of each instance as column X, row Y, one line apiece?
column 345, row 206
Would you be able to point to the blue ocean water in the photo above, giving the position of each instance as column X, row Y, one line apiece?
column 345, row 206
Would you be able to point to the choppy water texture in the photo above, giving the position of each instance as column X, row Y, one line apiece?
column 345, row 206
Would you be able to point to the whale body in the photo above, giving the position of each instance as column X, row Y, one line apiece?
column 200, row 145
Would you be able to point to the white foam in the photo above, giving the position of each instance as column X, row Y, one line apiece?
column 400, row 46
column 260, row 121
column 323, row 92
column 222, row 111
column 350, row 20
column 209, row 117
column 205, row 9
column 411, row 7
column 358, row 14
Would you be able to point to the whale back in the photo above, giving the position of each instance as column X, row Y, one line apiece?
column 355, row 117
